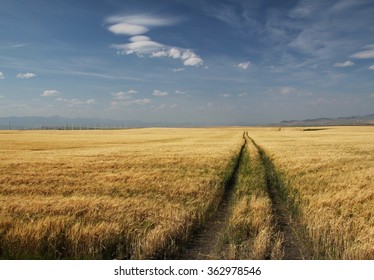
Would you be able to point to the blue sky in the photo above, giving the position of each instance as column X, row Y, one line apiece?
column 201, row 61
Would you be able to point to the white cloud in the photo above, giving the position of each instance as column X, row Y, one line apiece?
column 139, row 47
column 2, row 76
column 242, row 94
column 371, row 67
column 126, row 98
column 193, row 61
column 137, row 24
column 50, row 93
column 290, row 91
column 159, row 54
column 143, row 45
column 132, row 91
column 188, row 57
column 182, row 93
column 124, row 95
column 90, row 101
column 166, row 106
column 127, row 29
column 364, row 54
column 344, row 64
column 76, row 102
column 159, row 93
column 139, row 38
column 244, row 65
column 175, row 53
column 141, row 101
column 143, row 20
column 26, row 75
column 178, row 69
column 126, row 103
column 287, row 90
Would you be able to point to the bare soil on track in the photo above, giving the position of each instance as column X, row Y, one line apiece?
column 204, row 243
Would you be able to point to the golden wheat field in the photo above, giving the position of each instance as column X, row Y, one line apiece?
column 332, row 172
column 142, row 193
column 108, row 194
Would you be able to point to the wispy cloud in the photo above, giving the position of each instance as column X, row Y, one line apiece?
column 50, row 93
column 100, row 75
column 242, row 94
column 16, row 46
column 223, row 12
column 344, row 64
column 157, row 92
column 2, row 76
column 320, row 38
column 371, row 67
column 26, row 75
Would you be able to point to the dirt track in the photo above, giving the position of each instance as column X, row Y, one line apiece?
column 204, row 243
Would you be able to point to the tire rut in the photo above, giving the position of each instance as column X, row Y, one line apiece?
column 204, row 243
column 289, row 228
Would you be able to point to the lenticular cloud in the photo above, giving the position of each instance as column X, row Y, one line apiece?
column 141, row 45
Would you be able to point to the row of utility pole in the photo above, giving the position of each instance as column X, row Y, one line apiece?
column 72, row 126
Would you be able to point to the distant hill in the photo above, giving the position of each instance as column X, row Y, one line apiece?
column 352, row 120
column 62, row 123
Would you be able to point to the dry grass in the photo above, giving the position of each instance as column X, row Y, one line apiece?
column 108, row 194
column 332, row 172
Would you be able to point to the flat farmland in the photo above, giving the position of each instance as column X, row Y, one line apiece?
column 208, row 193
column 108, row 194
